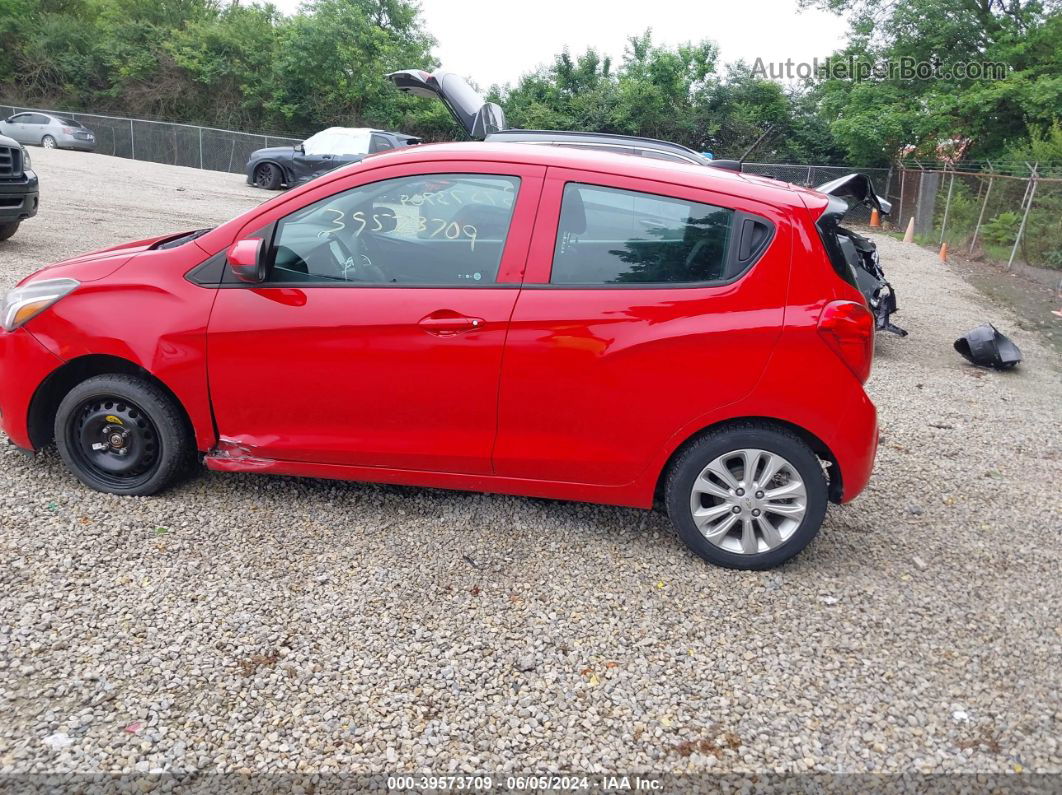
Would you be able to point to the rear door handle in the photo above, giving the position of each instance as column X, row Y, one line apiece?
column 447, row 324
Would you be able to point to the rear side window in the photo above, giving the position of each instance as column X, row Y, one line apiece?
column 380, row 144
column 613, row 236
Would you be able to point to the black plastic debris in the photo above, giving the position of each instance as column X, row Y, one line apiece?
column 985, row 346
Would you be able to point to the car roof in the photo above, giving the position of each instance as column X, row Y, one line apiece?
column 572, row 136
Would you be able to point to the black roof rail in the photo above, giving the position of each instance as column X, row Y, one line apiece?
column 575, row 135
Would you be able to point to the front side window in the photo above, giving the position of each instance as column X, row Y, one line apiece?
column 436, row 229
column 613, row 236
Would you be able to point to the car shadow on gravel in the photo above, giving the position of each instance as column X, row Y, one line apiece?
column 476, row 529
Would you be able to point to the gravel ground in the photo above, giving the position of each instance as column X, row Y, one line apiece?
column 276, row 624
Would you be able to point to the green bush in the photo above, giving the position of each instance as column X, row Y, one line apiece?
column 1002, row 229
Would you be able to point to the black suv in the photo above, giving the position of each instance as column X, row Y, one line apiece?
column 18, row 187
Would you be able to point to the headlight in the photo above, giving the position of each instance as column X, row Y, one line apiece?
column 25, row 158
column 31, row 299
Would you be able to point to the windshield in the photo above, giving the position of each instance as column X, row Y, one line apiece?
column 331, row 142
column 67, row 122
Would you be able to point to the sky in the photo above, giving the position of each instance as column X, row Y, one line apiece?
column 496, row 41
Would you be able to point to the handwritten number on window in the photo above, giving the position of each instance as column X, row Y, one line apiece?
column 338, row 225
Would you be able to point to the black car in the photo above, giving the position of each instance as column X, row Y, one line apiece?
column 18, row 187
column 287, row 166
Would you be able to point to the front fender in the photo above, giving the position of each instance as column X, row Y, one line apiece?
column 146, row 313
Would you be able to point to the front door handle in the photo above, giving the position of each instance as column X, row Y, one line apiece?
column 446, row 323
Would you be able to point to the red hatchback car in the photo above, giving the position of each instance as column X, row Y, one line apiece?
column 495, row 317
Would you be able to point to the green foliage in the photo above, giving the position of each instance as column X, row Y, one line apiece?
column 244, row 65
column 962, row 212
column 673, row 94
column 1053, row 258
column 1003, row 229
column 223, row 64
column 879, row 117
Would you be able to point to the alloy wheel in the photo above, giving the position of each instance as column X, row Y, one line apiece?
column 263, row 176
column 748, row 501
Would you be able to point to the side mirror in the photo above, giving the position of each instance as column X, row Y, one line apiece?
column 247, row 260
column 299, row 148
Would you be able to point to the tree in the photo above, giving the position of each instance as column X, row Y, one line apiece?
column 873, row 119
column 202, row 61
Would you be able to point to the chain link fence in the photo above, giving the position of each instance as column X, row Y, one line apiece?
column 168, row 142
column 999, row 216
column 1002, row 216
column 809, row 176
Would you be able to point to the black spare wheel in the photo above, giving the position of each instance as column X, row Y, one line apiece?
column 123, row 435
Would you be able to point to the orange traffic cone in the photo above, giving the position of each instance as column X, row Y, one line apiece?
column 875, row 219
column 943, row 252
column 908, row 236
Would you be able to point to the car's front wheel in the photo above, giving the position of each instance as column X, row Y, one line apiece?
column 268, row 176
column 747, row 496
column 123, row 434
column 7, row 230
column 48, row 142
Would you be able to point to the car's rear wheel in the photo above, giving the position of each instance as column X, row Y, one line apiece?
column 48, row 142
column 6, row 230
column 747, row 496
column 123, row 434
column 268, row 176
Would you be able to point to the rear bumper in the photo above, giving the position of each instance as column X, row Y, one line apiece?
column 76, row 143
column 19, row 199
column 856, row 446
column 24, row 364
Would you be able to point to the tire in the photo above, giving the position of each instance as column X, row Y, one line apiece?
column 747, row 528
column 49, row 143
column 7, row 230
column 268, row 176
column 126, row 413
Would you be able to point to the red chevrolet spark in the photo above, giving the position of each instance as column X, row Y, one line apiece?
column 494, row 317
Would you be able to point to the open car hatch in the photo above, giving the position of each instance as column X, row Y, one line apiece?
column 858, row 253
column 859, row 188
column 478, row 117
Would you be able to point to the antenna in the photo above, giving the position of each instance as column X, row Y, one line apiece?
column 766, row 134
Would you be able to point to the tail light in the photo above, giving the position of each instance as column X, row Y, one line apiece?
column 847, row 327
column 69, row 130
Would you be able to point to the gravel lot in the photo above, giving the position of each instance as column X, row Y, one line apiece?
column 277, row 624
